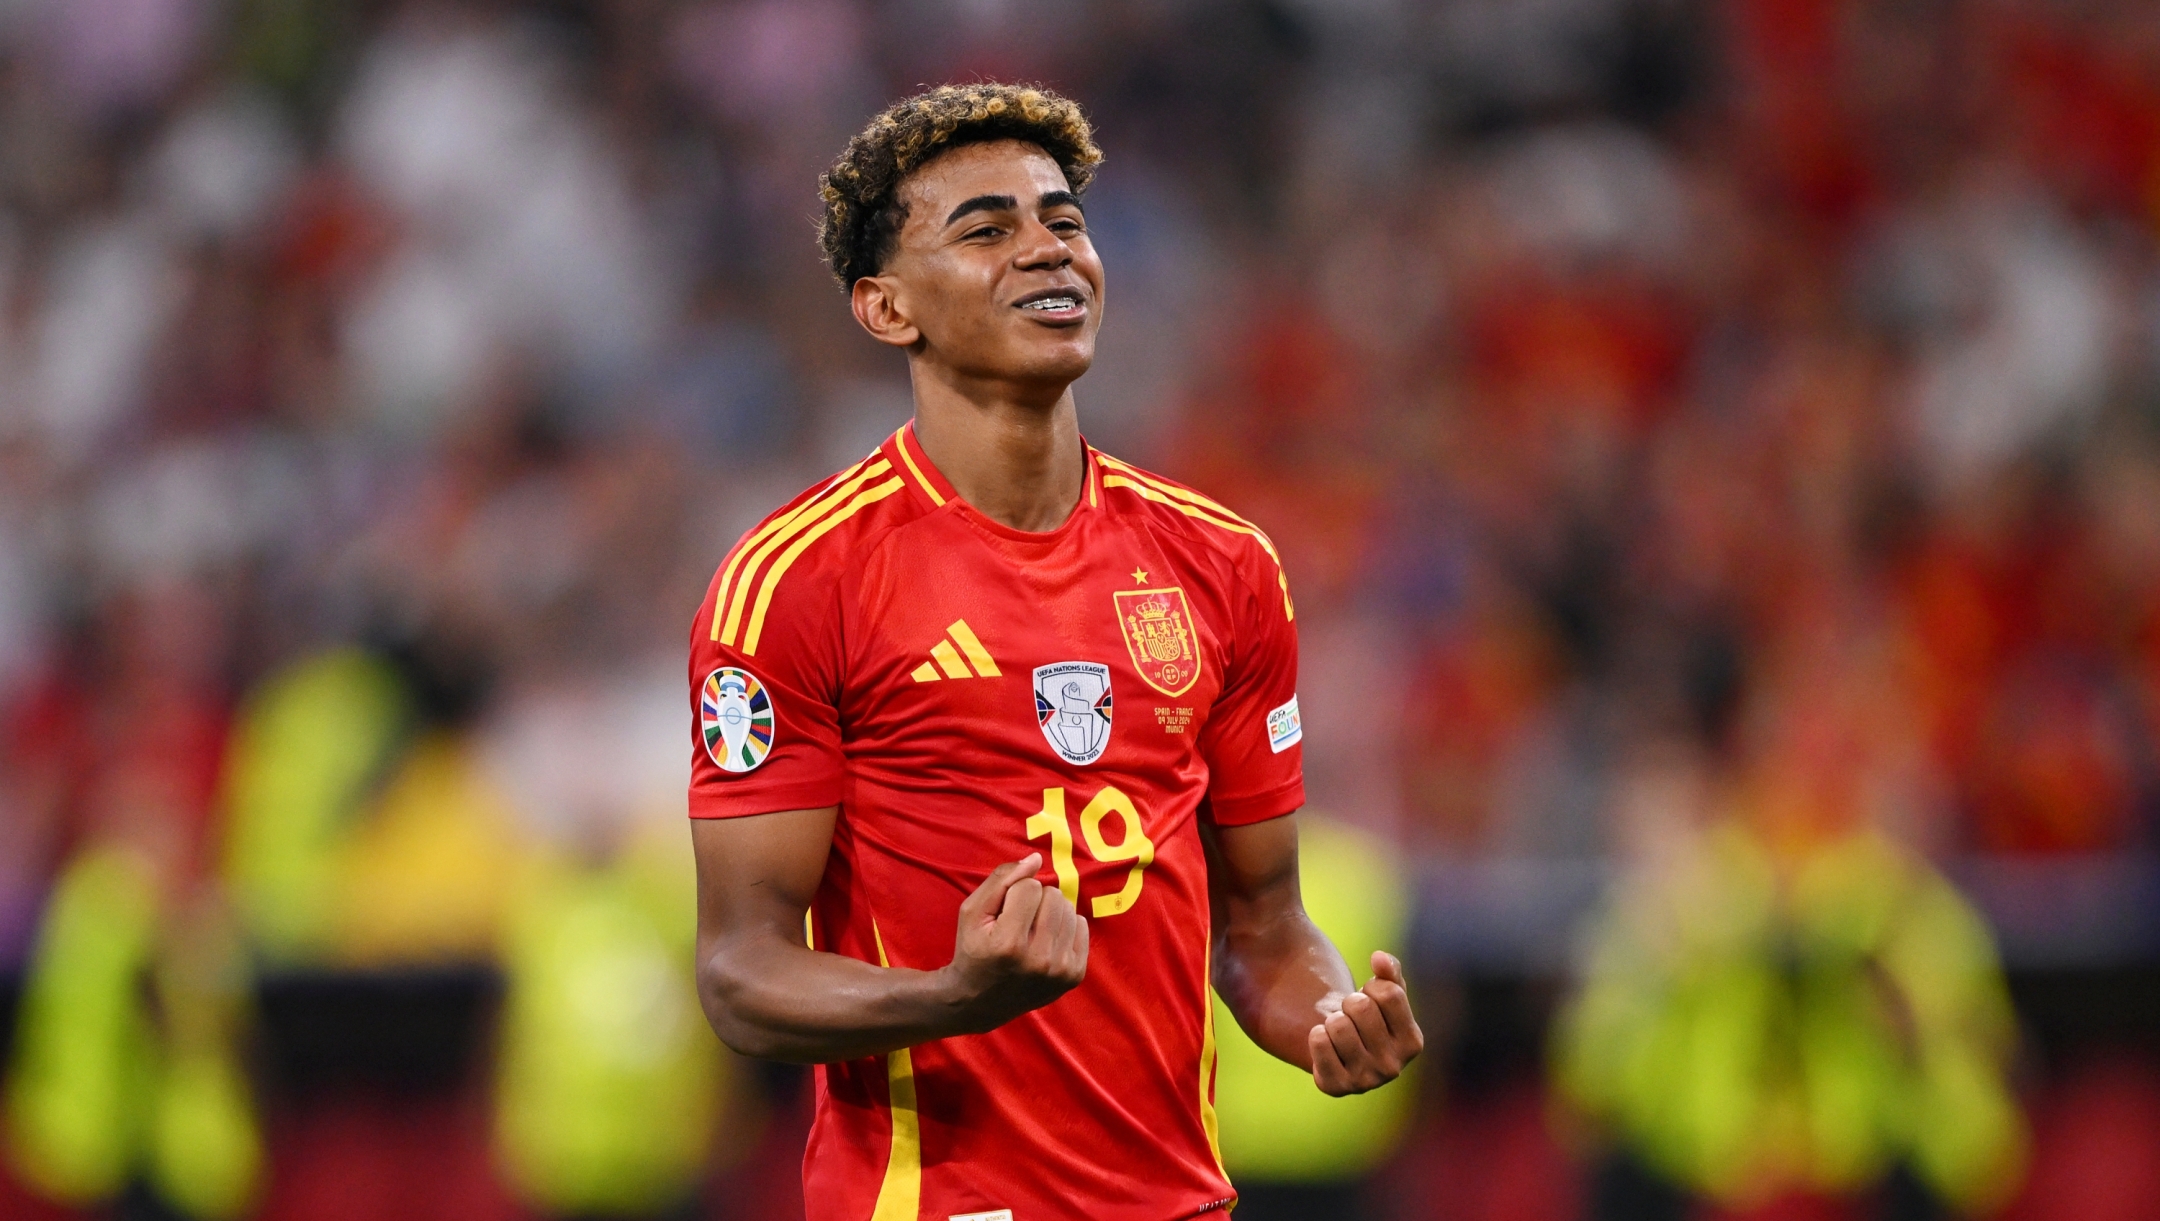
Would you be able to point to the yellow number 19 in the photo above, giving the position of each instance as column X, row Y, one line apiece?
column 1133, row 846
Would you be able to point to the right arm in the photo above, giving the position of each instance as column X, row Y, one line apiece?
column 1018, row 947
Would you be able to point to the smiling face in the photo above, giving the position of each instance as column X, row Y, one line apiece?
column 993, row 276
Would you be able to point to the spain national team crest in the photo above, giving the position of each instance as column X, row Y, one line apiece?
column 1158, row 629
column 736, row 713
column 1072, row 703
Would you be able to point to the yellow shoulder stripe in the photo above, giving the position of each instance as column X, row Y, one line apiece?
column 735, row 586
column 1186, row 495
column 745, row 547
column 1196, row 512
column 900, row 443
column 781, row 522
column 863, row 499
column 1180, row 498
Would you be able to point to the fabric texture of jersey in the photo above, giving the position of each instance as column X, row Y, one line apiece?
column 966, row 693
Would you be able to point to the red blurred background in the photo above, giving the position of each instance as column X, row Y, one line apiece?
column 1715, row 445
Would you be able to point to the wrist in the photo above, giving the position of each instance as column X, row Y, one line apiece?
column 954, row 997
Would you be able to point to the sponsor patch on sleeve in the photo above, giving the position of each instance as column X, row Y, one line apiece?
column 1284, row 728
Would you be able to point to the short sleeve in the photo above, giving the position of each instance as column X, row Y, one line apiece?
column 1252, row 738
column 765, row 724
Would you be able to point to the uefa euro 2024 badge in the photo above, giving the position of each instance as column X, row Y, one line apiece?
column 736, row 714
column 1072, row 703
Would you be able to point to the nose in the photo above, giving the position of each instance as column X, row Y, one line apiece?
column 1041, row 250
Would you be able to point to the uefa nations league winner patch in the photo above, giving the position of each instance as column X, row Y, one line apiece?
column 1072, row 704
column 736, row 714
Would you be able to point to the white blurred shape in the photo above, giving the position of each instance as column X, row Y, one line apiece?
column 1593, row 190
column 2033, row 358
column 111, row 290
column 419, row 337
column 179, row 509
column 223, row 165
column 521, row 230
column 586, row 761
column 188, row 508
column 445, row 127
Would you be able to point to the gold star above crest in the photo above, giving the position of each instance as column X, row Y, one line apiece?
column 1139, row 576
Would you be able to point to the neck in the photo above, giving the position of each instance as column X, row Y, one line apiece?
column 1014, row 456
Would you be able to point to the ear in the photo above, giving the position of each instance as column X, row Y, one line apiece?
column 878, row 308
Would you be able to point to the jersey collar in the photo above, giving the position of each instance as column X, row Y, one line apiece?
column 927, row 483
column 923, row 477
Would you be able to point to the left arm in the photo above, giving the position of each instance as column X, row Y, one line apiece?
column 1283, row 979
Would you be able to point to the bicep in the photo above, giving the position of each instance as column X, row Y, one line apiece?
column 1252, row 868
column 759, row 871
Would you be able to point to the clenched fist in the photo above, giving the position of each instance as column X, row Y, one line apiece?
column 1020, row 945
column 1366, row 1040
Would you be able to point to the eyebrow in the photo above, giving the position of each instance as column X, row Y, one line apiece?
column 984, row 203
column 1006, row 203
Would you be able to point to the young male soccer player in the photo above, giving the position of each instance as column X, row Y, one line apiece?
column 1016, row 725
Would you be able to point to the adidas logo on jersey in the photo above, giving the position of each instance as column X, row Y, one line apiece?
column 949, row 662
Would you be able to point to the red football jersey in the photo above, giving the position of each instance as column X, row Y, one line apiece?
column 966, row 693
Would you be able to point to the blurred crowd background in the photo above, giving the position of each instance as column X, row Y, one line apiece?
column 1715, row 445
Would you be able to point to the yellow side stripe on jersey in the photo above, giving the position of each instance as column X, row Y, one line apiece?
column 745, row 547
column 899, row 1197
column 863, row 499
column 1208, row 1123
column 798, row 522
column 1194, row 511
column 900, row 443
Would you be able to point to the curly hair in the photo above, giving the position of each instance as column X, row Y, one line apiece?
column 863, row 212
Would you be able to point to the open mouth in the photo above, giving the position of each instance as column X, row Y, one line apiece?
column 1052, row 302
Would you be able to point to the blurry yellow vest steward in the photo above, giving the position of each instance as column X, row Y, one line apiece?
column 609, row 1080
column 354, row 838
column 1273, row 1123
column 310, row 744
column 1741, row 1035
column 98, row 1096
